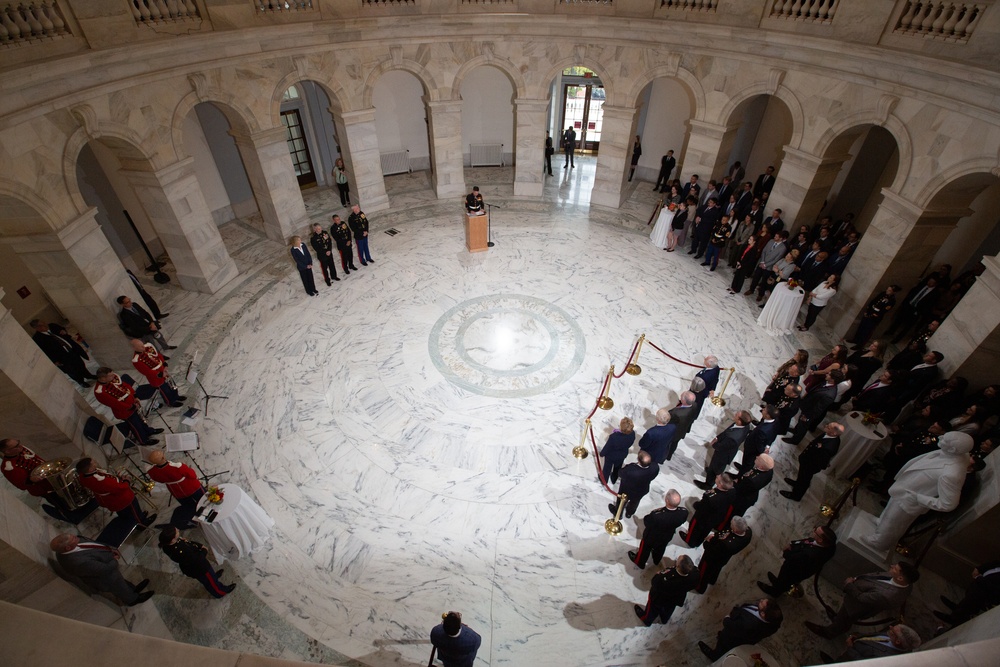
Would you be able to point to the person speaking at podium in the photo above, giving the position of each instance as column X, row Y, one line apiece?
column 474, row 202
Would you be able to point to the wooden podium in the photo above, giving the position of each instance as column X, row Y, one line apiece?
column 475, row 233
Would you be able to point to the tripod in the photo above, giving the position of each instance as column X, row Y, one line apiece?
column 193, row 378
column 489, row 222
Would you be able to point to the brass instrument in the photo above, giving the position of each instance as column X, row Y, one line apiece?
column 138, row 485
column 62, row 477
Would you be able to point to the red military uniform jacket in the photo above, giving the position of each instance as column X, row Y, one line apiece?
column 150, row 363
column 110, row 492
column 180, row 479
column 17, row 470
column 118, row 396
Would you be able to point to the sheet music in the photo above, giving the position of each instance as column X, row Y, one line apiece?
column 182, row 442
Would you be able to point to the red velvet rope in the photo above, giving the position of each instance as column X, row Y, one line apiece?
column 631, row 357
column 597, row 461
column 680, row 361
column 604, row 388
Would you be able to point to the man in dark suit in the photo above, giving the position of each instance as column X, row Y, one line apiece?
column 759, row 440
column 711, row 512
column 837, row 262
column 66, row 355
column 746, row 624
column 724, row 448
column 691, row 189
column 635, row 481
column 96, row 565
column 896, row 640
column 981, row 594
column 749, row 485
column 914, row 308
column 802, row 559
column 876, row 397
column 814, row 458
column 658, row 441
column 814, row 406
column 658, row 529
column 667, row 164
column 304, row 263
column 868, row 595
column 920, row 377
column 682, row 416
column 667, row 591
column 569, row 146
column 873, row 314
column 774, row 222
column 137, row 323
column 765, row 183
column 456, row 643
column 745, row 200
column 720, row 547
column 150, row 301
column 710, row 376
column 707, row 218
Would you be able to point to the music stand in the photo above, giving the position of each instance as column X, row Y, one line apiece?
column 186, row 443
column 192, row 378
column 489, row 223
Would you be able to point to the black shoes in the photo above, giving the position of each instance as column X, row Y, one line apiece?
column 704, row 486
column 951, row 604
column 708, row 651
column 612, row 508
column 162, row 315
column 790, row 496
column 364, row 263
column 335, row 278
column 770, row 590
column 139, row 587
column 790, row 481
column 142, row 598
column 640, row 612
column 171, row 347
column 156, row 431
column 632, row 556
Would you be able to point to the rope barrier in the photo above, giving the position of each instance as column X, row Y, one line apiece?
column 630, row 358
column 670, row 356
column 604, row 387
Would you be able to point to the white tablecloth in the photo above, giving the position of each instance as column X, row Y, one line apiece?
column 659, row 234
column 857, row 445
column 782, row 309
column 240, row 527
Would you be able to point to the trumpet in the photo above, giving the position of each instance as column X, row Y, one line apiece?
column 138, row 485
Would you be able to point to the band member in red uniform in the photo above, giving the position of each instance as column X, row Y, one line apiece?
column 183, row 484
column 193, row 559
column 148, row 361
column 18, row 462
column 111, row 391
column 112, row 493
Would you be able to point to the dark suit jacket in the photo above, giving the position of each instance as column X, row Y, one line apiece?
column 875, row 400
column 57, row 349
column 764, row 183
column 617, row 446
column 742, row 626
column 682, row 417
column 918, row 380
column 98, row 569
column 748, row 487
column 711, row 510
column 635, row 479
column 689, row 189
column 457, row 651
column 869, row 594
column 135, row 324
column 671, row 588
column 667, row 164
column 759, row 439
column 710, row 376
column 818, row 453
column 658, row 441
column 303, row 260
column 818, row 401
column 726, row 445
column 804, row 559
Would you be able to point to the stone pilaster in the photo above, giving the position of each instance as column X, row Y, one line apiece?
column 82, row 277
column 898, row 245
column 612, row 158
column 173, row 200
column 359, row 143
column 804, row 185
column 969, row 338
column 445, row 123
column 272, row 177
column 707, row 150
column 529, row 147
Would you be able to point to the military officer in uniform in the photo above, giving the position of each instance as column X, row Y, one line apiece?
column 724, row 448
column 182, row 483
column 342, row 235
column 112, row 493
column 148, row 361
column 667, row 591
column 720, row 547
column 711, row 512
column 322, row 243
column 18, row 462
column 193, row 558
column 111, row 391
column 359, row 225
column 658, row 529
column 802, row 559
column 874, row 313
column 814, row 458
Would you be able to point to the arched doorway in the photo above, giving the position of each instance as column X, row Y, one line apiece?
column 665, row 106
column 487, row 117
column 763, row 128
column 401, row 123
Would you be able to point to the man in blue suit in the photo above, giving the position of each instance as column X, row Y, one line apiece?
column 659, row 440
column 456, row 643
column 304, row 263
column 710, row 376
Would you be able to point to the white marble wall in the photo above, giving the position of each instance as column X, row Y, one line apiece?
column 272, row 177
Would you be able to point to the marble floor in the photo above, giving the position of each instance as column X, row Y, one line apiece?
column 410, row 431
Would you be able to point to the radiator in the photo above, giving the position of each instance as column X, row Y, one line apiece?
column 486, row 155
column 396, row 162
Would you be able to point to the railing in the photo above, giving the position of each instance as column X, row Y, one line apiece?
column 387, row 3
column 948, row 21
column 487, row 2
column 280, row 6
column 821, row 11
column 691, row 5
column 21, row 24
column 154, row 12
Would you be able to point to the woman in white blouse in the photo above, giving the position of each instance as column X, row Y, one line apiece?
column 818, row 299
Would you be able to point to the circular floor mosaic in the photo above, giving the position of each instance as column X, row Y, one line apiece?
column 507, row 345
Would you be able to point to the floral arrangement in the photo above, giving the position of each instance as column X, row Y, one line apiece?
column 671, row 206
column 793, row 283
column 215, row 495
column 871, row 418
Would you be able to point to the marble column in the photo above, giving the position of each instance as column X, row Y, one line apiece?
column 612, row 159
column 24, row 364
column 804, row 185
column 359, row 143
column 969, row 338
column 82, row 277
column 175, row 204
column 272, row 177
column 529, row 147
column 898, row 245
column 708, row 148
column 445, row 126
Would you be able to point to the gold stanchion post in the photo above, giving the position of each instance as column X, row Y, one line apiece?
column 718, row 399
column 605, row 402
column 633, row 368
column 831, row 512
column 614, row 526
column 580, row 451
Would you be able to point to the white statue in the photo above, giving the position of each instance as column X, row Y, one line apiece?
column 932, row 481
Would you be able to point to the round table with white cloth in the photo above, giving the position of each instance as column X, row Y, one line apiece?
column 782, row 309
column 857, row 444
column 659, row 234
column 240, row 526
